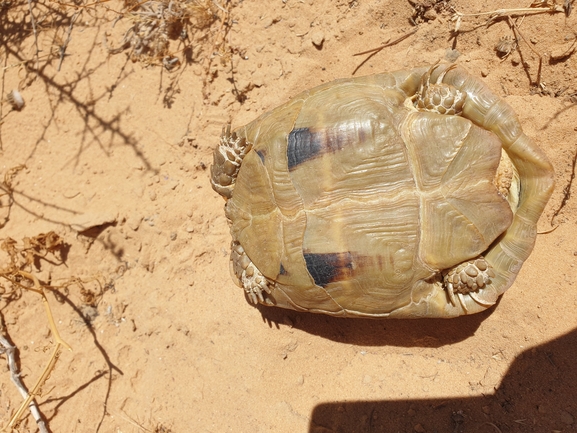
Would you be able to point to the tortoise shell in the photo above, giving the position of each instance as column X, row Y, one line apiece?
column 406, row 194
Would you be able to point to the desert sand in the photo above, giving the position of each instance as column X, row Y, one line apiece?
column 114, row 158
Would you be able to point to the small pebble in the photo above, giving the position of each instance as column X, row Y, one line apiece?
column 430, row 15
column 419, row 428
column 515, row 59
column 133, row 221
column 267, row 22
column 318, row 38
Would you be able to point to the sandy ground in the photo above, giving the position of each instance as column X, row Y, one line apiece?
column 116, row 159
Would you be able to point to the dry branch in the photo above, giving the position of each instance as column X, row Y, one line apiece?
column 34, row 248
column 457, row 17
column 10, row 351
column 372, row 52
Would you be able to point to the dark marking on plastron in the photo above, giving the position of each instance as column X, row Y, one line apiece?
column 282, row 270
column 306, row 143
column 330, row 267
column 261, row 155
column 301, row 147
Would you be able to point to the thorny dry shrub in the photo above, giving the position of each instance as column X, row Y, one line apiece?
column 17, row 276
column 37, row 33
column 33, row 249
column 157, row 22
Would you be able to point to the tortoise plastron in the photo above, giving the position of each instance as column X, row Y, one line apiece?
column 405, row 194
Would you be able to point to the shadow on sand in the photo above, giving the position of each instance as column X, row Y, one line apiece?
column 538, row 394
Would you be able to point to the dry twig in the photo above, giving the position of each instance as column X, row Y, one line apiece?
column 10, row 351
column 62, row 48
column 33, row 21
column 21, row 257
column 374, row 51
column 566, row 190
column 518, row 35
column 495, row 15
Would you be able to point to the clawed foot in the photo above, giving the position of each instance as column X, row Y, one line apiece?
column 467, row 279
column 248, row 275
column 228, row 157
column 439, row 97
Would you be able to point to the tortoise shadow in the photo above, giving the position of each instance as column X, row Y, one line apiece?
column 379, row 332
column 537, row 394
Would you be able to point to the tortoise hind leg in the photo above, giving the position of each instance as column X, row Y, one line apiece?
column 248, row 276
column 439, row 97
column 468, row 278
column 228, row 157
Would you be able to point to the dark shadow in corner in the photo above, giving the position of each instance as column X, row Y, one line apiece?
column 538, row 394
column 380, row 332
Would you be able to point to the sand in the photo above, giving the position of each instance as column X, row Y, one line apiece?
column 117, row 156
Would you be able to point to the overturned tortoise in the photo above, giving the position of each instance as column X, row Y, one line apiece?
column 405, row 194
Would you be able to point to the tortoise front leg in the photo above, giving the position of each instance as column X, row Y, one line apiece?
column 228, row 157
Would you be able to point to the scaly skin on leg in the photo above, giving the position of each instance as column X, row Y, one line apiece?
column 227, row 160
column 247, row 274
column 439, row 97
column 467, row 278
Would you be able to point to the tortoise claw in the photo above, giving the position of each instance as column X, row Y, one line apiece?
column 468, row 278
column 228, row 157
column 439, row 97
column 247, row 274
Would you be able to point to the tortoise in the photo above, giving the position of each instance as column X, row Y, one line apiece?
column 406, row 194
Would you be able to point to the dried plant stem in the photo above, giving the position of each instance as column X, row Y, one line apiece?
column 33, row 21
column 10, row 352
column 373, row 51
column 29, row 396
column 62, row 48
column 500, row 13
column 566, row 191
column 518, row 34
column 40, row 290
column 60, row 343
column 513, row 12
